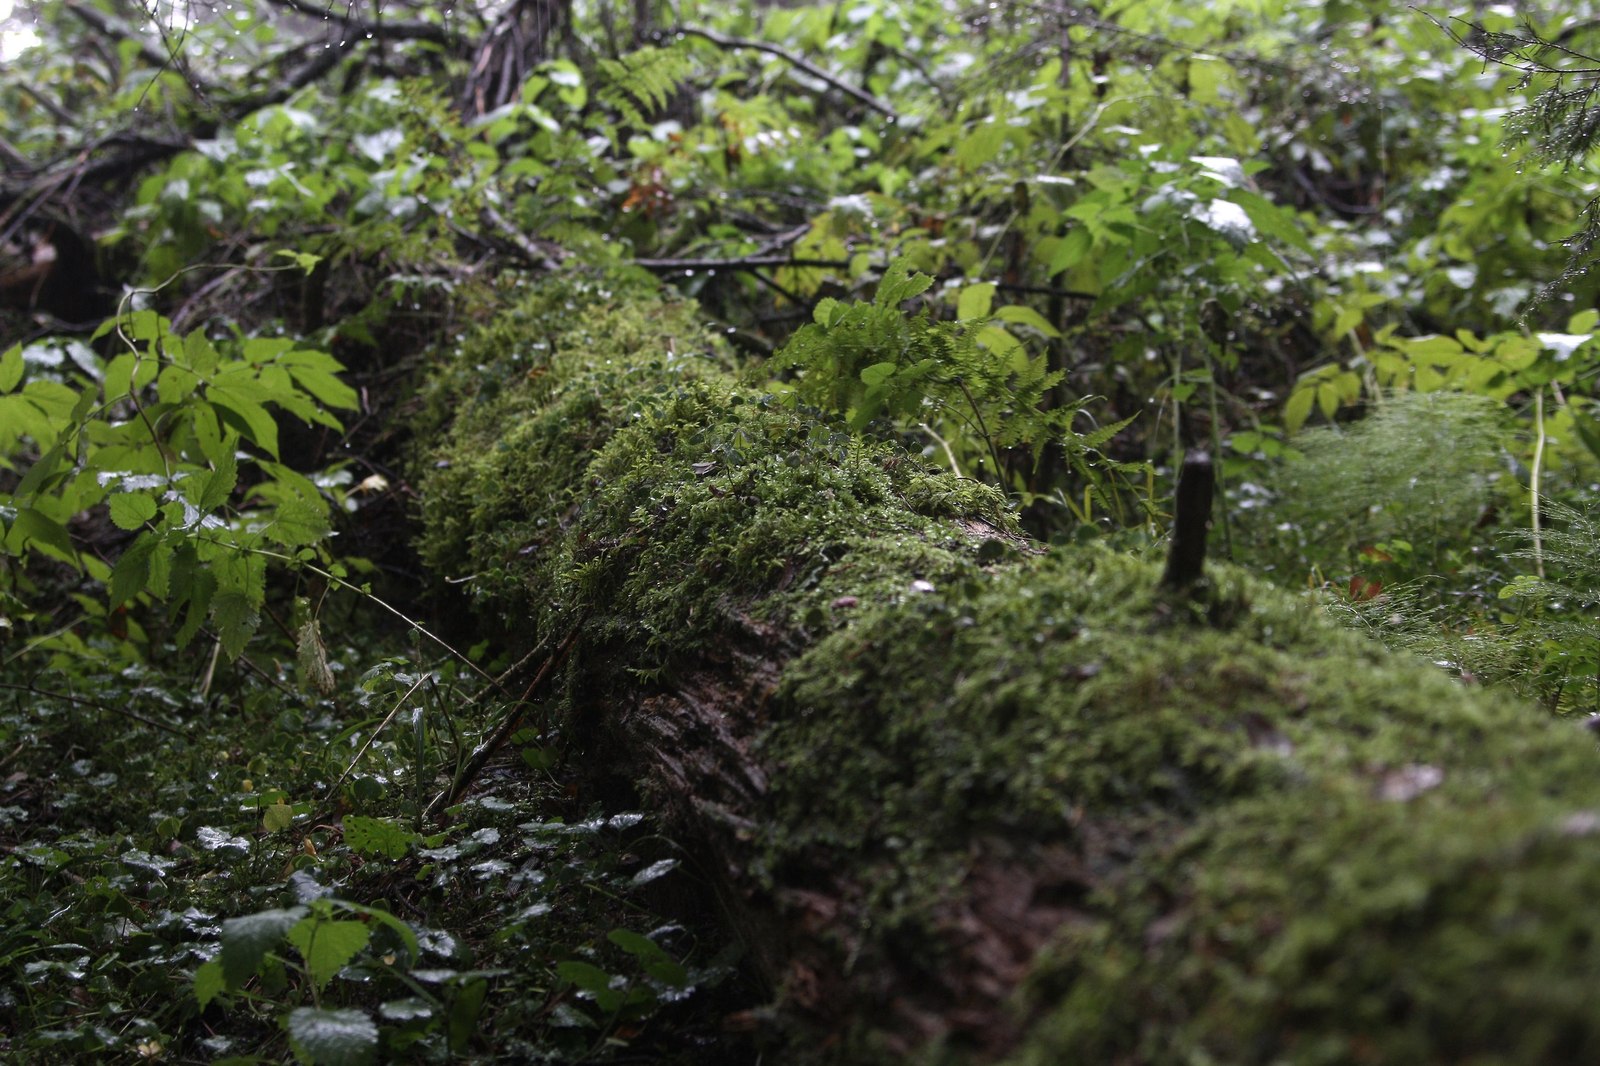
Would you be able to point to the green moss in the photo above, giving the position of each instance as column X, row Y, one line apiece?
column 1290, row 845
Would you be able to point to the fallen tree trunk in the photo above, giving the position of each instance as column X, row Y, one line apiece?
column 972, row 800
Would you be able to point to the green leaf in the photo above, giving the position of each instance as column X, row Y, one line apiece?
column 899, row 284
column 209, row 982
column 11, row 368
column 176, row 384
column 328, row 945
column 383, row 917
column 1027, row 316
column 593, row 982
column 246, row 416
column 31, row 526
column 464, row 1012
column 131, row 510
column 236, row 620
column 200, row 353
column 332, row 1037
column 878, row 373
column 128, row 577
column 304, row 260
column 246, row 941
column 220, row 481
column 1298, row 409
column 327, row 389
column 377, row 836
column 278, row 817
column 1070, row 252
column 975, row 301
column 656, row 962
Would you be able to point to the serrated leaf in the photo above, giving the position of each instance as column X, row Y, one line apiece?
column 200, row 354
column 209, row 982
column 246, row 416
column 327, row 389
column 236, row 620
column 128, row 577
column 975, row 301
column 131, row 510
column 11, row 368
column 220, row 481
column 328, row 945
column 333, row 1037
column 899, row 284
column 246, row 941
column 176, row 384
column 377, row 836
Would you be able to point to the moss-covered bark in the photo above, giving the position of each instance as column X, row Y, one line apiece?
column 967, row 799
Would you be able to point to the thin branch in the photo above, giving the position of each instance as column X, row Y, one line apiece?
column 80, row 701
column 797, row 61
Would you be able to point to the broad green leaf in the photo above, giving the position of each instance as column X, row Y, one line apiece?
column 236, row 620
column 999, row 341
column 975, row 301
column 277, row 817
column 176, row 384
column 200, row 354
column 1327, row 400
column 328, row 390
column 1298, row 409
column 1019, row 315
column 407, row 936
column 31, row 526
column 246, row 416
column 328, row 945
column 593, row 983
column 246, row 941
column 827, row 311
column 220, row 481
column 209, row 982
column 656, row 962
column 877, row 373
column 11, row 368
column 131, row 510
column 341, row 1037
column 129, row 575
column 981, row 145
column 1073, row 247
column 465, row 1010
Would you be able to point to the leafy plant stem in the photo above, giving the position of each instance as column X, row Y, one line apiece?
column 1533, row 481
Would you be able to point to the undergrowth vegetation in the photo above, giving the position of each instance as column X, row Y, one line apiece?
column 277, row 291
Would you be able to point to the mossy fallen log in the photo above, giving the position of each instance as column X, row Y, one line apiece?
column 970, row 800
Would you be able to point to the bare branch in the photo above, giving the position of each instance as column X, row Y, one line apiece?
column 797, row 61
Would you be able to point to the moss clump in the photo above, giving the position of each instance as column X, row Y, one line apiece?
column 1263, row 838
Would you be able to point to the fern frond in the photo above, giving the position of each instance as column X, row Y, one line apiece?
column 642, row 82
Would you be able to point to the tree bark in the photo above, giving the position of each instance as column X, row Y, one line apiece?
column 966, row 797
